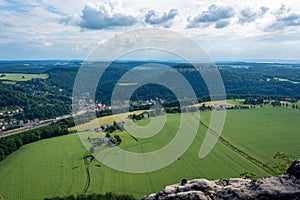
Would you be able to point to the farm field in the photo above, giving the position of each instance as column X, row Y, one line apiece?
column 42, row 169
column 55, row 166
column 262, row 132
column 188, row 166
column 95, row 123
column 22, row 77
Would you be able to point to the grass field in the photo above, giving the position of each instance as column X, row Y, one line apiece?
column 220, row 163
column 55, row 166
column 22, row 77
column 238, row 102
column 45, row 168
column 263, row 132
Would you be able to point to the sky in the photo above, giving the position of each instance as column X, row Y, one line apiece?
column 227, row 30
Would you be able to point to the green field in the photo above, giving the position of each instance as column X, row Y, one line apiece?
column 45, row 168
column 22, row 77
column 263, row 132
column 55, row 166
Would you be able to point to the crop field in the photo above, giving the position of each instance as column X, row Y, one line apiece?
column 187, row 166
column 21, row 77
column 95, row 123
column 42, row 169
column 263, row 132
column 238, row 102
column 55, row 167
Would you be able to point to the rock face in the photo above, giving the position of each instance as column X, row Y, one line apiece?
column 294, row 169
column 286, row 186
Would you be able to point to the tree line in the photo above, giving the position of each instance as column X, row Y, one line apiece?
column 107, row 196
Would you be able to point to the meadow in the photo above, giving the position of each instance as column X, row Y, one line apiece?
column 45, row 168
column 262, row 132
column 55, row 166
column 21, row 77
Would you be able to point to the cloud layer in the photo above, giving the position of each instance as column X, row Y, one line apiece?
column 285, row 17
column 96, row 16
column 153, row 17
column 248, row 15
column 40, row 27
column 214, row 15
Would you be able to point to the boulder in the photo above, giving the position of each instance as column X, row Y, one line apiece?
column 294, row 169
column 286, row 186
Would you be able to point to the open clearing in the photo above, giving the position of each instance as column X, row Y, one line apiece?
column 22, row 77
column 55, row 166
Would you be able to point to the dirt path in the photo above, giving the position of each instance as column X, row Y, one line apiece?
column 88, row 179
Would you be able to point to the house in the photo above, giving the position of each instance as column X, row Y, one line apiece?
column 109, row 141
column 146, row 115
column 289, row 99
column 105, row 126
column 89, row 158
column 98, row 130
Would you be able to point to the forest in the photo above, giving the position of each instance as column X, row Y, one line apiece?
column 51, row 97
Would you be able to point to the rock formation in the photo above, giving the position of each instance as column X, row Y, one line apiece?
column 286, row 186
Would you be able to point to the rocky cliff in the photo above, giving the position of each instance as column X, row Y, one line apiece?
column 286, row 186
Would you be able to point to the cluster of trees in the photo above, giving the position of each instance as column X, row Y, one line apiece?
column 11, row 143
column 253, row 101
column 118, row 139
column 107, row 196
column 111, row 128
column 205, row 107
column 44, row 105
column 275, row 101
column 237, row 81
column 49, row 102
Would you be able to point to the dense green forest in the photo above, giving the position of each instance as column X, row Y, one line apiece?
column 49, row 98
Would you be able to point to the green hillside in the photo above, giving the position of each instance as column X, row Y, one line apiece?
column 55, row 166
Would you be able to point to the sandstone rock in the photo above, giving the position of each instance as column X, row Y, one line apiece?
column 294, row 169
column 286, row 186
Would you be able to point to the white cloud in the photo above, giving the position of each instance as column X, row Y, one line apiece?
column 217, row 15
column 248, row 15
column 105, row 15
column 153, row 17
column 77, row 26
column 285, row 17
